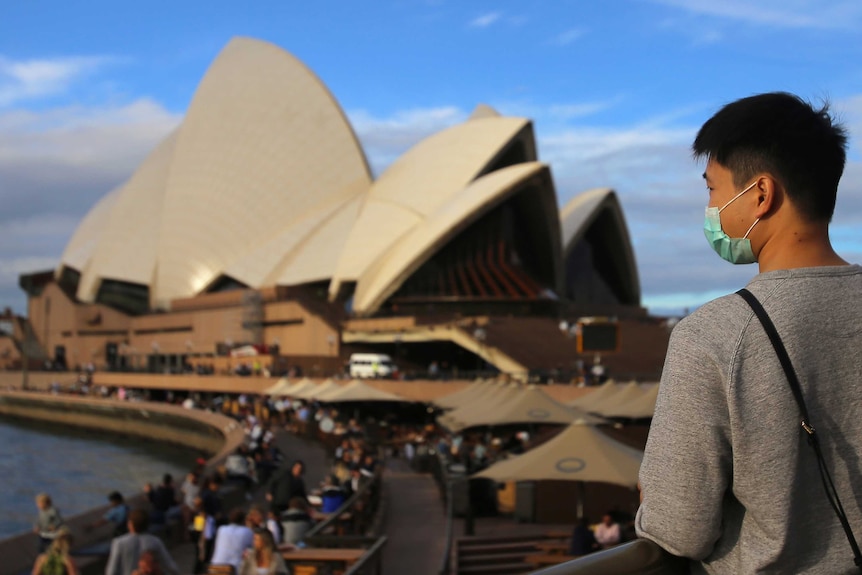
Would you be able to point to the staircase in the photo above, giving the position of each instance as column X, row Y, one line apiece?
column 496, row 555
column 29, row 346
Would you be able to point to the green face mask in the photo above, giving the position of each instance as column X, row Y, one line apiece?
column 734, row 250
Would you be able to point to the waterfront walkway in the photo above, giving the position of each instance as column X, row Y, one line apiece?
column 415, row 521
column 317, row 465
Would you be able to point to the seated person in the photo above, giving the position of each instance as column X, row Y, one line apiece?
column 332, row 496
column 608, row 532
column 232, row 540
column 117, row 515
column 295, row 521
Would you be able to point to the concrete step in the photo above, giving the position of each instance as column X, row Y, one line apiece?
column 501, row 569
column 496, row 558
column 493, row 548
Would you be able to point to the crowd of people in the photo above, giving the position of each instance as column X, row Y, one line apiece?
column 276, row 510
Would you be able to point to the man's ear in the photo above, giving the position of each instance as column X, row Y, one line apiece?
column 769, row 194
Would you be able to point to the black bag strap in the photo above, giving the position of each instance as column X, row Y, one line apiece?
column 813, row 438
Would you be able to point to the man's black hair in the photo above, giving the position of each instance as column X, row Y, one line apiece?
column 115, row 497
column 780, row 134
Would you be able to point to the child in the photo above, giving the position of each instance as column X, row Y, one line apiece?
column 48, row 522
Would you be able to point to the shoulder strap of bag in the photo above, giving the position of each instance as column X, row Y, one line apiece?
column 813, row 438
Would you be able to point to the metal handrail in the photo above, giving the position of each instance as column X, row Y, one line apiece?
column 375, row 552
column 345, row 507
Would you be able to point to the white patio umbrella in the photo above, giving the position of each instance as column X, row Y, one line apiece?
column 319, row 392
column 300, row 388
column 530, row 405
column 472, row 411
column 462, row 396
column 579, row 453
column 279, row 387
column 626, row 393
column 607, row 389
column 639, row 407
column 359, row 391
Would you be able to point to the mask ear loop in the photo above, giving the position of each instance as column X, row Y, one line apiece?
column 733, row 199
column 751, row 228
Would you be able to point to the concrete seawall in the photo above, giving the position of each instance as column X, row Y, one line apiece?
column 211, row 433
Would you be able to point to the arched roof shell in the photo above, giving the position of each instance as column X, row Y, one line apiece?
column 581, row 212
column 127, row 247
column 262, row 144
column 413, row 249
column 83, row 242
column 424, row 179
column 483, row 111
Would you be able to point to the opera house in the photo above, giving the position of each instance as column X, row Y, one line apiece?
column 258, row 222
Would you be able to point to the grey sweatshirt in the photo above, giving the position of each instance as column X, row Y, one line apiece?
column 728, row 478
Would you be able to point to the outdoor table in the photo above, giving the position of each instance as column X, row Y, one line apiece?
column 323, row 555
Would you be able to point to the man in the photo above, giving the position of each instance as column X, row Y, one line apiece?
column 285, row 486
column 127, row 549
column 727, row 478
column 117, row 515
column 163, row 498
column 232, row 540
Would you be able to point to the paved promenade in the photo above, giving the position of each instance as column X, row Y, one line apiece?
column 415, row 521
column 317, row 464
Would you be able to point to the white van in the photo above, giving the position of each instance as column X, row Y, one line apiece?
column 371, row 365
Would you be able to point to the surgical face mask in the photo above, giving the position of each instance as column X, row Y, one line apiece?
column 734, row 250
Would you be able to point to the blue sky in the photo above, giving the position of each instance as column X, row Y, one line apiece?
column 616, row 89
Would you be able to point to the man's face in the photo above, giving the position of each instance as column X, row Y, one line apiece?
column 297, row 469
column 739, row 215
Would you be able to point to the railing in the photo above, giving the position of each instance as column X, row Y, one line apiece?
column 640, row 557
column 361, row 506
column 445, row 480
column 372, row 562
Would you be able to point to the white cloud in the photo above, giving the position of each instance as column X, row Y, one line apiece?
column 79, row 134
column 485, row 20
column 567, row 37
column 29, row 79
column 384, row 139
column 836, row 14
column 54, row 165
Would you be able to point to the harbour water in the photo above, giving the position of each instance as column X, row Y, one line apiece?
column 77, row 468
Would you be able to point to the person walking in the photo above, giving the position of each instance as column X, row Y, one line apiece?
column 126, row 550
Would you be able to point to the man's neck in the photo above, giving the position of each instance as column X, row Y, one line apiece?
column 800, row 248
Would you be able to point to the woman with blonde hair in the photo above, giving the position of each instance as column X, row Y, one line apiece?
column 56, row 560
column 263, row 558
